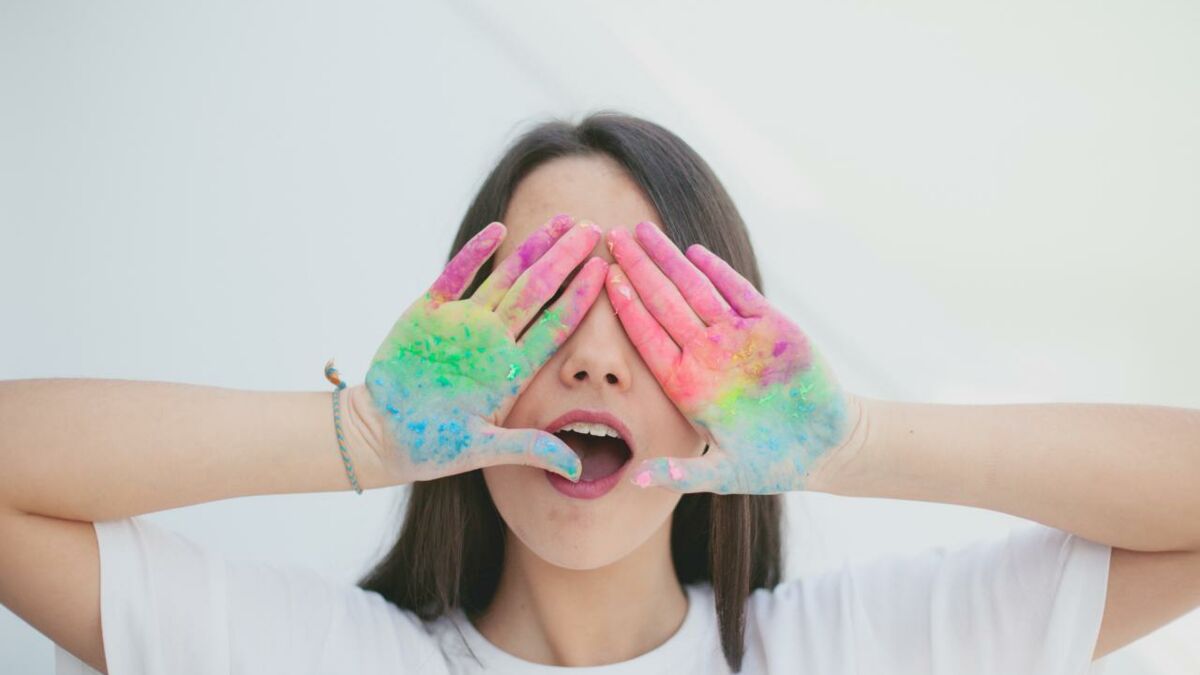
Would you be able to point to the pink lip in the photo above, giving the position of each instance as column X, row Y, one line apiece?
column 590, row 489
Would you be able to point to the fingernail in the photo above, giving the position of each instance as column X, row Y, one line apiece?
column 488, row 235
column 619, row 283
column 569, row 470
column 597, row 262
column 642, row 479
column 561, row 223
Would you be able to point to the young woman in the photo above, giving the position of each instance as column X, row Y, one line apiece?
column 597, row 429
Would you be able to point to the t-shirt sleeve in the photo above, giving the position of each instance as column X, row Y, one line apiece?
column 169, row 605
column 1028, row 602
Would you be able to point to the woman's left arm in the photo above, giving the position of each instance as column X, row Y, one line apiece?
column 1124, row 475
column 746, row 375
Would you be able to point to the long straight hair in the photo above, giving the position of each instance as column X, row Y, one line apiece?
column 450, row 548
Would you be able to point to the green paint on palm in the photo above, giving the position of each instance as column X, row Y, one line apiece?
column 463, row 347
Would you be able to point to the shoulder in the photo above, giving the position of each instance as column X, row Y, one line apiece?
column 1030, row 600
column 1030, row 558
column 165, row 596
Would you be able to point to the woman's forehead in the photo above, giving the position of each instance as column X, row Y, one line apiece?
column 592, row 188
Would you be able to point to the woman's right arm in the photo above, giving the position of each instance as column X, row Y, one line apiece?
column 75, row 451
column 102, row 449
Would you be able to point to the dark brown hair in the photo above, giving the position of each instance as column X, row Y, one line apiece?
column 451, row 544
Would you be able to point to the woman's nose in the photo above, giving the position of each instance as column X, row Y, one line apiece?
column 596, row 357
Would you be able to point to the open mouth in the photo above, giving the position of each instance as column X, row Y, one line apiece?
column 600, row 447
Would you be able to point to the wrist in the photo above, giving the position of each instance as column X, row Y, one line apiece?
column 364, row 433
column 834, row 473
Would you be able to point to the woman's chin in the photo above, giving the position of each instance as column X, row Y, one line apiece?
column 574, row 536
column 569, row 558
column 572, row 532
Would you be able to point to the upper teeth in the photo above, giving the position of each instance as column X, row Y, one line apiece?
column 591, row 429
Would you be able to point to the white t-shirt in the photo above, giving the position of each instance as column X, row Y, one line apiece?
column 1026, row 603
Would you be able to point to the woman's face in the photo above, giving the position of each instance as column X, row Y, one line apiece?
column 597, row 371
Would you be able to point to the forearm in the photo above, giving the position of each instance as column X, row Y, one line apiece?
column 100, row 449
column 1124, row 475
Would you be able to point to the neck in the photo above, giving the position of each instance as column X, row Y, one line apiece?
column 567, row 617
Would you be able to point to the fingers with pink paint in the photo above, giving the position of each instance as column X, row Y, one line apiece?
column 699, row 292
column 537, row 284
column 555, row 325
column 451, row 368
column 657, row 293
column 739, row 292
column 493, row 289
column 740, row 370
column 656, row 347
column 461, row 269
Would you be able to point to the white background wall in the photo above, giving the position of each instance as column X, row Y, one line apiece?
column 961, row 201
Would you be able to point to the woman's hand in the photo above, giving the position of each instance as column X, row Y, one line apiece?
column 743, row 373
column 452, row 367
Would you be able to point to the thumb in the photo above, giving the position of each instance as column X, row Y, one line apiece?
column 710, row 473
column 531, row 447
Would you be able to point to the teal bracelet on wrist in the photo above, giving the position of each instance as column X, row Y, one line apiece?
column 332, row 375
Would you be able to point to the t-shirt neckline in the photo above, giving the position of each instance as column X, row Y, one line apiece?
column 677, row 650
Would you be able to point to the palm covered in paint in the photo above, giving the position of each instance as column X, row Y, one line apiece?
column 451, row 368
column 737, row 368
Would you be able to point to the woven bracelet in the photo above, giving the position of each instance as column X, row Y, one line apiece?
column 332, row 375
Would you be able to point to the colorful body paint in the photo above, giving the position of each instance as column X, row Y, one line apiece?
column 735, row 366
column 451, row 368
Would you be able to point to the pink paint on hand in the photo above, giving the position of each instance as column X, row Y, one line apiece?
column 534, row 288
column 619, row 283
column 457, row 274
column 675, row 471
column 560, row 223
column 732, row 363
column 451, row 365
column 646, row 334
column 496, row 286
